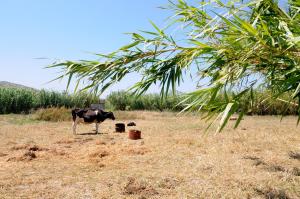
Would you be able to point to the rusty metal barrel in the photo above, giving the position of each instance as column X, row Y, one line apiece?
column 134, row 134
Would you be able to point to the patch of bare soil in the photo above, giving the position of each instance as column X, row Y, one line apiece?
column 99, row 154
column 25, row 157
column 133, row 187
column 28, row 147
column 272, row 167
column 273, row 194
column 58, row 152
column 76, row 140
column 20, row 147
column 256, row 160
column 85, row 140
column 275, row 168
column 97, row 157
column 3, row 154
column 136, row 151
column 65, row 141
column 169, row 183
column 295, row 171
column 294, row 155
column 99, row 142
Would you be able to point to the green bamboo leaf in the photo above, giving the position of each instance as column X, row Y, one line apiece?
column 138, row 36
column 298, row 111
column 238, row 121
column 161, row 32
column 198, row 43
column 129, row 45
column 150, row 33
column 247, row 26
column 77, row 85
column 297, row 90
column 225, row 116
column 69, row 80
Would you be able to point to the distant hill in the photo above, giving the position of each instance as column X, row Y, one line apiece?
column 5, row 84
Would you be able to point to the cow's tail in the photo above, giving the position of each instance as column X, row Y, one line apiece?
column 74, row 114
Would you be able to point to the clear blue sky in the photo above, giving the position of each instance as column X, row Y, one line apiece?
column 68, row 29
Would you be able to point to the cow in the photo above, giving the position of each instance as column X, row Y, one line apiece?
column 90, row 116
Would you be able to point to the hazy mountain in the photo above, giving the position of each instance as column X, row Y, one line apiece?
column 5, row 84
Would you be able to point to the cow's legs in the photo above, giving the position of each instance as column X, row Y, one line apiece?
column 74, row 126
column 97, row 127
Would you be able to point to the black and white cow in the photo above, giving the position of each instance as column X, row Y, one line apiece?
column 90, row 116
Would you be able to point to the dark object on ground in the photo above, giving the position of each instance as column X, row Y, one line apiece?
column 294, row 155
column 29, row 155
column 131, row 124
column 34, row 148
column 3, row 154
column 296, row 171
column 90, row 116
column 120, row 127
column 134, row 134
column 273, row 193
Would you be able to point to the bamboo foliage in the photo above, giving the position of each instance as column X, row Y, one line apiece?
column 14, row 100
column 237, row 46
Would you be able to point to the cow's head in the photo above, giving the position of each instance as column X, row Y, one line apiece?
column 110, row 115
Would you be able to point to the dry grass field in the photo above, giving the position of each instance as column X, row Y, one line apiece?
column 261, row 159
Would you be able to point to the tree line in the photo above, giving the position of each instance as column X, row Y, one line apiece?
column 14, row 100
column 17, row 100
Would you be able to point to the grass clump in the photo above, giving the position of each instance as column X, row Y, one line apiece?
column 128, row 115
column 53, row 114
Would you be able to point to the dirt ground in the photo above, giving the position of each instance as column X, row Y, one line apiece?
column 261, row 159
